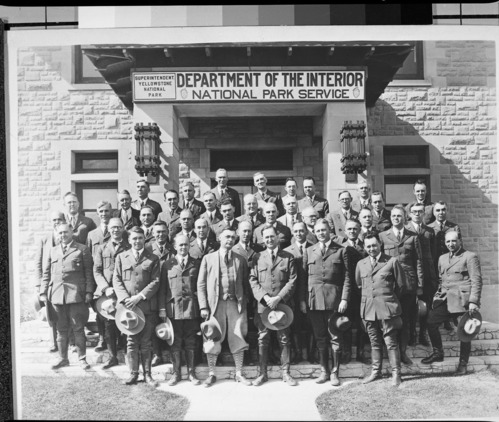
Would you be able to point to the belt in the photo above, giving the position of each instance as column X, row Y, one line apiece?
column 228, row 297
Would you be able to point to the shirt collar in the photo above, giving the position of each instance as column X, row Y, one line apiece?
column 301, row 244
column 223, row 251
column 69, row 244
column 135, row 252
column 327, row 243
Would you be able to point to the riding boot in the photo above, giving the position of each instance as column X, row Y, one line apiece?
column 53, row 338
column 394, row 358
column 285, row 364
column 133, row 364
column 190, row 356
column 346, row 352
column 263, row 352
column 312, row 349
column 404, row 340
column 62, row 346
column 360, row 344
column 324, row 362
column 177, row 375
column 464, row 356
column 377, row 362
column 146, row 366
column 101, row 329
column 423, row 334
column 297, row 347
column 335, row 381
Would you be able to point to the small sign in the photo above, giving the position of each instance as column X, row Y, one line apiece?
column 154, row 86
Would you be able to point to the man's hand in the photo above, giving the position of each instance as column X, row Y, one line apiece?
column 272, row 301
column 343, row 306
column 205, row 313
column 472, row 308
column 109, row 291
column 133, row 301
column 162, row 314
column 88, row 297
column 303, row 307
column 43, row 297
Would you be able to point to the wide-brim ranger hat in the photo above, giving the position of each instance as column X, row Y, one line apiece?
column 37, row 303
column 469, row 326
column 164, row 331
column 211, row 329
column 338, row 323
column 279, row 318
column 129, row 321
column 106, row 306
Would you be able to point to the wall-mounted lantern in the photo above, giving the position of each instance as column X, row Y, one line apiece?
column 353, row 147
column 147, row 158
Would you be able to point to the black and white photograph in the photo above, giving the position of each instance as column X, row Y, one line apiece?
column 209, row 205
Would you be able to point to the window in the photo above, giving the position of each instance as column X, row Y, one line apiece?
column 92, row 162
column 413, row 64
column 91, row 193
column 85, row 71
column 406, row 156
column 251, row 160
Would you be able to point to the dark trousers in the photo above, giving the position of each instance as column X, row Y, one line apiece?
column 111, row 334
column 264, row 333
column 184, row 330
column 437, row 316
column 143, row 340
column 319, row 321
column 409, row 316
column 74, row 316
column 380, row 331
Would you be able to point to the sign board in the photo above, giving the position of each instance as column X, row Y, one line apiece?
column 223, row 86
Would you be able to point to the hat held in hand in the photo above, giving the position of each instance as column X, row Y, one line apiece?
column 469, row 326
column 164, row 331
column 130, row 321
column 279, row 318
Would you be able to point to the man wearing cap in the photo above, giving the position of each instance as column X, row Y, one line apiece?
column 228, row 222
column 459, row 292
column 272, row 281
column 223, row 295
column 172, row 215
column 381, row 216
column 178, row 301
column 337, row 218
column 251, row 212
column 311, row 199
column 283, row 232
column 44, row 246
column 195, row 206
column 143, row 199
column 104, row 260
column 68, row 284
column 292, row 215
column 130, row 216
column 223, row 192
column 136, row 282
column 204, row 242
column 363, row 201
column 382, row 281
column 212, row 214
column 265, row 195
column 147, row 219
column 326, row 290
column 80, row 224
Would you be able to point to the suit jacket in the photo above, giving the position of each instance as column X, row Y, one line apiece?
column 460, row 280
column 148, row 237
column 178, row 288
column 229, row 193
column 83, row 226
column 311, row 238
column 172, row 221
column 131, row 278
column 249, row 254
column 96, row 238
column 426, row 237
column 327, row 280
column 43, row 247
column 270, row 196
column 104, row 262
column 381, row 287
column 195, row 251
column 136, row 204
column 209, row 281
column 356, row 204
column 197, row 208
column 440, row 248
column 283, row 233
column 383, row 222
column 428, row 217
column 371, row 230
column 321, row 205
column 273, row 278
column 295, row 251
column 409, row 254
column 218, row 228
column 337, row 221
column 131, row 222
column 67, row 278
column 216, row 218
column 260, row 219
column 154, row 248
column 284, row 220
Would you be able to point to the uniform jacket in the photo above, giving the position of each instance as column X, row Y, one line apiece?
column 44, row 246
column 149, row 238
column 310, row 237
column 327, row 280
column 284, row 220
column 131, row 278
column 371, row 230
column 383, row 222
column 218, row 228
column 136, row 203
column 217, row 217
column 409, row 254
column 273, row 278
column 440, row 248
column 283, row 233
column 96, row 238
column 426, row 237
column 260, row 219
column 295, row 251
column 83, row 226
column 229, row 193
column 154, row 248
column 381, row 287
column 356, row 254
column 428, row 217
column 172, row 221
column 337, row 221
column 196, row 208
column 195, row 251
column 178, row 288
column 67, row 278
column 104, row 260
column 273, row 197
column 356, row 204
column 321, row 205
column 249, row 254
column 131, row 222
column 209, row 280
column 460, row 280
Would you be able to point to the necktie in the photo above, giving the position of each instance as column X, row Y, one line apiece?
column 210, row 216
column 105, row 231
column 182, row 264
column 136, row 256
column 147, row 233
column 142, row 204
column 246, row 246
column 202, row 245
column 226, row 259
column 116, row 246
column 373, row 262
column 441, row 227
column 64, row 249
column 222, row 192
column 323, row 248
column 301, row 250
column 273, row 256
column 161, row 249
column 399, row 235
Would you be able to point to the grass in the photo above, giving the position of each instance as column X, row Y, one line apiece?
column 435, row 396
column 76, row 398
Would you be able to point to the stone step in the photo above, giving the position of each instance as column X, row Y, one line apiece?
column 300, row 371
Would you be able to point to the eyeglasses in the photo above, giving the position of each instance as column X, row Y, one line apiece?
column 417, row 212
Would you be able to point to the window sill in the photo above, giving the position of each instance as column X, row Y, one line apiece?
column 90, row 87
column 409, row 82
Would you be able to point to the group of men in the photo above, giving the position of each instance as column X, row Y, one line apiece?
column 209, row 265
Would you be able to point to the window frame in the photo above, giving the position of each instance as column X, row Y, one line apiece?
column 419, row 74
column 81, row 156
column 78, row 76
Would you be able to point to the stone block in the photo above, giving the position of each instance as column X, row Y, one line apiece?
column 26, row 59
column 472, row 152
column 110, row 122
column 38, row 86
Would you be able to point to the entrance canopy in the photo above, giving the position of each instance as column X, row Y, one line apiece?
column 380, row 60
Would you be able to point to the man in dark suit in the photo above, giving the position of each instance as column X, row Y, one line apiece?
column 364, row 198
column 272, row 280
column 420, row 194
column 223, row 294
column 459, row 292
column 178, row 301
column 291, row 189
column 309, row 216
column 311, row 199
column 96, row 238
column 172, row 214
column 43, row 249
column 337, row 218
column 68, row 284
column 223, row 192
column 366, row 223
column 283, row 232
column 187, row 224
column 147, row 219
column 264, row 195
column 80, row 224
column 228, row 222
column 251, row 213
column 136, row 282
column 326, row 290
column 382, row 280
column 292, row 215
column 426, row 237
column 129, row 215
column 195, row 206
column 212, row 214
column 301, row 330
column 203, row 243
column 381, row 216
column 104, row 260
column 404, row 244
column 143, row 199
